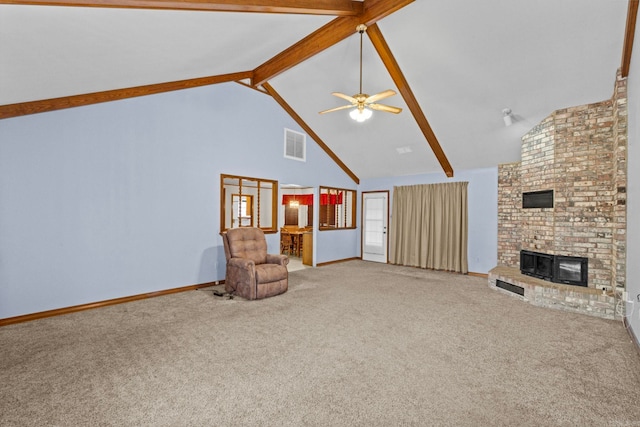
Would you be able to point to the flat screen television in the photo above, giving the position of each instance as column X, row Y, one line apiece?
column 570, row 270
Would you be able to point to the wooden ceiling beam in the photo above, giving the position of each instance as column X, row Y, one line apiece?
column 33, row 107
column 312, row 7
column 275, row 95
column 325, row 37
column 632, row 14
column 401, row 83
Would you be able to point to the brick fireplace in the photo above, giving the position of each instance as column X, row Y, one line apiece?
column 580, row 154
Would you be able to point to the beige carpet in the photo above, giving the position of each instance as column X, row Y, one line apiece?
column 350, row 344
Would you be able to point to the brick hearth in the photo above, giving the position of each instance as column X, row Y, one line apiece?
column 577, row 299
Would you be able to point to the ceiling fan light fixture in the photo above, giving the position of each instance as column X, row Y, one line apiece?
column 362, row 102
column 360, row 115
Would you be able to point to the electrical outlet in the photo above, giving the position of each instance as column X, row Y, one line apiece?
column 633, row 308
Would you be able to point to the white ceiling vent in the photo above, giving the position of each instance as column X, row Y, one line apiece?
column 404, row 150
column 295, row 145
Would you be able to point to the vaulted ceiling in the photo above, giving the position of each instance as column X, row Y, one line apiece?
column 456, row 64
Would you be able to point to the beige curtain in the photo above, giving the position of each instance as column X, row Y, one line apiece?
column 429, row 226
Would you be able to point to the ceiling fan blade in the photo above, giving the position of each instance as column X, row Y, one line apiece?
column 378, row 96
column 351, row 99
column 330, row 110
column 385, row 108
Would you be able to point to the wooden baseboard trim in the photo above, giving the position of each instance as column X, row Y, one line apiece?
column 469, row 273
column 89, row 306
column 484, row 275
column 633, row 336
column 322, row 264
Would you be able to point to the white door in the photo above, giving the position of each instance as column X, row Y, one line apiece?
column 375, row 218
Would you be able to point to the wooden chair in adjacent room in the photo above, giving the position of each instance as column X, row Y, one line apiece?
column 286, row 242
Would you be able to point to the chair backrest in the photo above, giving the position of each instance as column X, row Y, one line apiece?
column 285, row 239
column 285, row 233
column 246, row 242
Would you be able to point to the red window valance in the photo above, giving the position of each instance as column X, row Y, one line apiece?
column 307, row 199
column 331, row 199
column 303, row 199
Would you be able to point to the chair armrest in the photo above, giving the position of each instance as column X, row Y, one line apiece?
column 241, row 276
column 242, row 263
column 277, row 259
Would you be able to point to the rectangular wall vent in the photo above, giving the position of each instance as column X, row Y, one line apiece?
column 537, row 199
column 295, row 145
column 509, row 287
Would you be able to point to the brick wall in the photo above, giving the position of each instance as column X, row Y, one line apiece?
column 537, row 172
column 620, row 178
column 509, row 208
column 580, row 153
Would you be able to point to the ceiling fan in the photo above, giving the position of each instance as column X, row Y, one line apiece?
column 362, row 102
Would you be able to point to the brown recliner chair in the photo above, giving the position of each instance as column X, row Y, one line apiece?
column 252, row 273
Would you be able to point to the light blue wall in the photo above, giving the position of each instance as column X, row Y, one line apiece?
column 122, row 198
column 633, row 192
column 482, row 208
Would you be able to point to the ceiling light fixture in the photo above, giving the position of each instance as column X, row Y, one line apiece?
column 507, row 117
column 362, row 102
column 360, row 115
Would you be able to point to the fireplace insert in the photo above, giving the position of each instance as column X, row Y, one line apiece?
column 536, row 264
column 569, row 270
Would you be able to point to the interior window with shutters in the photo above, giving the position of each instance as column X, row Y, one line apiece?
column 337, row 208
column 248, row 202
column 295, row 145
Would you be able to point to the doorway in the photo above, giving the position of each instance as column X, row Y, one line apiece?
column 375, row 221
column 297, row 221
